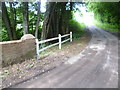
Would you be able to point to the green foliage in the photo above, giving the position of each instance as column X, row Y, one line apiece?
column 19, row 20
column 107, row 14
column 106, row 26
column 63, row 11
column 106, row 11
column 77, row 28
column 4, row 35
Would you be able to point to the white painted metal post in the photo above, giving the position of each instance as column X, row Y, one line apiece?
column 59, row 41
column 37, row 49
column 70, row 36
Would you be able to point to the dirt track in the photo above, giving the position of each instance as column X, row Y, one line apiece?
column 51, row 58
column 95, row 67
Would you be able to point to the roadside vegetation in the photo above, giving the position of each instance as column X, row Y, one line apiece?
column 22, row 18
column 28, row 18
column 106, row 15
column 77, row 28
column 108, row 27
column 49, row 59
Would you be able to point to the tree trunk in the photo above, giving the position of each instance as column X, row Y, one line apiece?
column 47, row 20
column 38, row 20
column 25, row 18
column 6, row 20
column 71, row 5
column 13, row 20
column 55, row 20
column 44, row 27
column 0, row 12
column 57, row 27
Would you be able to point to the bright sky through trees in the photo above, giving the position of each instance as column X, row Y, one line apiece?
column 43, row 5
column 83, row 15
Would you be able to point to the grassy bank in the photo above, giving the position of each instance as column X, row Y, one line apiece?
column 108, row 27
column 78, row 32
column 77, row 28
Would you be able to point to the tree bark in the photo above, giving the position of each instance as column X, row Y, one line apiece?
column 38, row 20
column 57, row 27
column 47, row 20
column 55, row 20
column 6, row 20
column 13, row 20
column 25, row 18
column 44, row 27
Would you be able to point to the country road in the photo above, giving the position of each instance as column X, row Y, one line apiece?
column 94, row 67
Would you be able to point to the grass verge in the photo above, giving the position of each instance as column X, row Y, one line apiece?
column 78, row 31
column 108, row 27
column 77, row 28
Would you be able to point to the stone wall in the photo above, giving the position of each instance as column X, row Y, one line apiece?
column 18, row 50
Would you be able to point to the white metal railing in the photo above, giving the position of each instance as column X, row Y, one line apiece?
column 59, row 43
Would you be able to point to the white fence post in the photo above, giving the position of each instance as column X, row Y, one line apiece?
column 37, row 48
column 59, row 41
column 70, row 36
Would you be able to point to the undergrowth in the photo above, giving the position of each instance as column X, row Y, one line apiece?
column 77, row 28
column 108, row 27
column 74, row 26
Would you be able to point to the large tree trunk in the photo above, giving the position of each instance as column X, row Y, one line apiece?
column 25, row 18
column 38, row 20
column 13, row 19
column 44, row 27
column 47, row 20
column 55, row 21
column 6, row 20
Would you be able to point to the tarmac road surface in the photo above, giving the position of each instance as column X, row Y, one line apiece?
column 94, row 67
